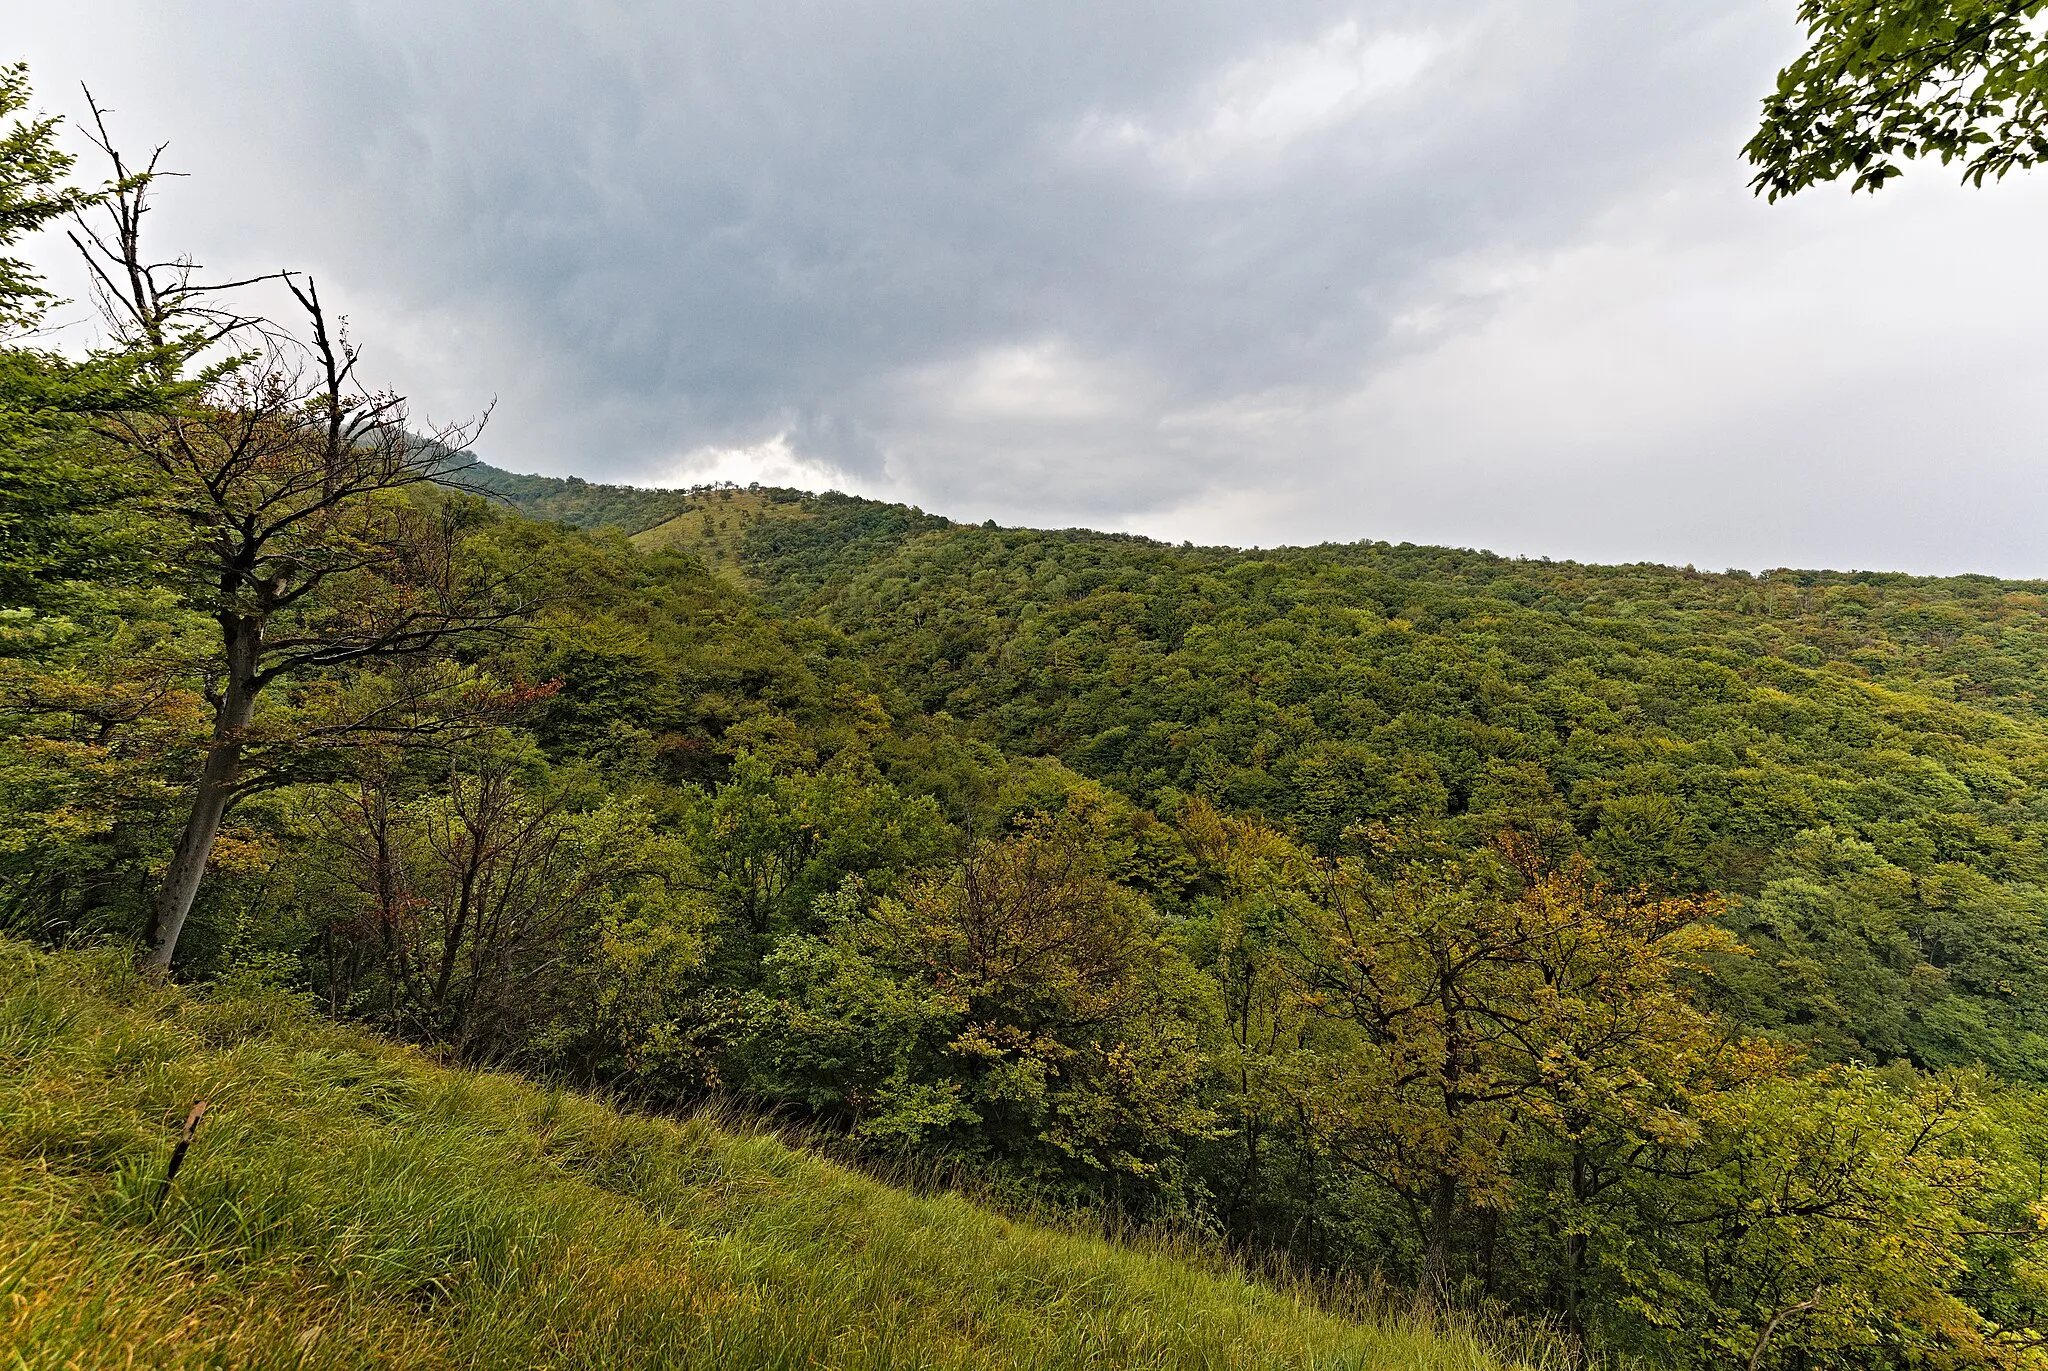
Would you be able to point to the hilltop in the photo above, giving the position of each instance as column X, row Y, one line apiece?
column 1977, row 638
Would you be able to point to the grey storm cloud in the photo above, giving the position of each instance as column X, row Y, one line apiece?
column 1473, row 272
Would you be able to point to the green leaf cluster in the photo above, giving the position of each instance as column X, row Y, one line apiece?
column 1886, row 81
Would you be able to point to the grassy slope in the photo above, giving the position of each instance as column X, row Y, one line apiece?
column 715, row 526
column 349, row 1203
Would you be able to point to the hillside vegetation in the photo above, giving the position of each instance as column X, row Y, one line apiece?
column 1857, row 758
column 1654, row 957
column 346, row 1204
column 716, row 529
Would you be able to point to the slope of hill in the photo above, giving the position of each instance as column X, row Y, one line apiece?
column 717, row 523
column 347, row 1203
column 724, row 525
column 1857, row 758
column 575, row 501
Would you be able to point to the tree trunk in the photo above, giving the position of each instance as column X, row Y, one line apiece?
column 1244, row 1204
column 1575, row 1244
column 1431, row 1288
column 217, row 776
column 1489, row 1245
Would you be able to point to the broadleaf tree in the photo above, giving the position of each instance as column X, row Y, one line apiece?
column 1887, row 81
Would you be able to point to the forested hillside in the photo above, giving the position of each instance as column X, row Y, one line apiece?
column 1651, row 956
column 1856, row 759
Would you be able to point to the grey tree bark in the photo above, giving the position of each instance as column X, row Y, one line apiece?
column 211, row 797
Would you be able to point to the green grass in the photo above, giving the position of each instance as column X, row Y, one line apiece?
column 349, row 1203
column 715, row 526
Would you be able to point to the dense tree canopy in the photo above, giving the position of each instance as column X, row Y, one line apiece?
column 1854, row 760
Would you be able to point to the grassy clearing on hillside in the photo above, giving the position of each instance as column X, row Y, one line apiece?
column 715, row 527
column 348, row 1203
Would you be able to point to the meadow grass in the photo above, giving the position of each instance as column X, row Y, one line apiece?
column 714, row 527
column 349, row 1203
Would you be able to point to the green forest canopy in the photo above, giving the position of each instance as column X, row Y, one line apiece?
column 1857, row 758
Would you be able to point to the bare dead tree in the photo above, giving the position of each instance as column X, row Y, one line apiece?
column 287, row 479
column 154, row 308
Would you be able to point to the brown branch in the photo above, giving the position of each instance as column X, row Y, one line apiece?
column 185, row 1137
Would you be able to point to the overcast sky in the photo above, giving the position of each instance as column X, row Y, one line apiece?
column 1463, row 272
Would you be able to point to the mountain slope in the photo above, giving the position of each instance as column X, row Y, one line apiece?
column 347, row 1203
column 1858, row 759
column 1974, row 638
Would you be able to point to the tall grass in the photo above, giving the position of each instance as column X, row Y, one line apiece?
column 349, row 1203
